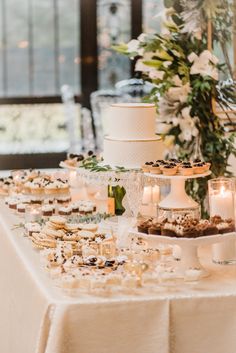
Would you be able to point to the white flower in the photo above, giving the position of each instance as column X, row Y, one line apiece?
column 133, row 46
column 163, row 128
column 167, row 63
column 156, row 75
column 187, row 125
column 192, row 57
column 176, row 53
column 142, row 37
column 204, row 64
column 176, row 80
column 140, row 66
column 179, row 93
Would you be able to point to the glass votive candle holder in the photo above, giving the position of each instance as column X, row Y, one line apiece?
column 221, row 197
column 221, row 203
column 33, row 213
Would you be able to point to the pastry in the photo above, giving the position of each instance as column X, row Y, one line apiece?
column 48, row 210
column 198, row 168
column 168, row 230
column 21, row 207
column 65, row 211
column 169, row 170
column 186, row 170
column 147, row 167
column 155, row 168
column 155, row 229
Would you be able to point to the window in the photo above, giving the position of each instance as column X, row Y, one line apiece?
column 39, row 47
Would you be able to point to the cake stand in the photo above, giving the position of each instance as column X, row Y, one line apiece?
column 177, row 198
column 189, row 247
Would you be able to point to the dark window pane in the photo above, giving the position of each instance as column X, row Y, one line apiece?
column 114, row 27
column 17, row 47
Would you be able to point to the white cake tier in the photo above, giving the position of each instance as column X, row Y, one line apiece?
column 131, row 153
column 131, row 121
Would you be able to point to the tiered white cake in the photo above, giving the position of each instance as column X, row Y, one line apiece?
column 131, row 140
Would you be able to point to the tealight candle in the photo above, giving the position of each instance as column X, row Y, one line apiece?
column 147, row 195
column 33, row 213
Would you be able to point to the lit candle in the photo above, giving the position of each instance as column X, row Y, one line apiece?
column 33, row 213
column 221, row 199
column 222, row 204
column 147, row 195
column 73, row 178
column 156, row 194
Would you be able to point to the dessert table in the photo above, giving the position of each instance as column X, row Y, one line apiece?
column 38, row 317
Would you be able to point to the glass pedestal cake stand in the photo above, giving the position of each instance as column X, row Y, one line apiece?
column 132, row 180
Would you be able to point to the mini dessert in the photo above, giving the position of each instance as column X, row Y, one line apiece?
column 31, row 228
column 169, row 230
column 169, row 170
column 57, row 222
column 75, row 207
column 63, row 199
column 90, row 227
column 147, row 167
column 155, row 169
column 36, row 201
column 198, row 168
column 186, row 170
column 48, row 210
column 65, row 211
column 226, row 226
column 21, row 207
column 155, row 228
column 143, row 226
column 12, row 203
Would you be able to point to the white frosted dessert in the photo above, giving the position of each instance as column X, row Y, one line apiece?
column 129, row 121
column 132, row 141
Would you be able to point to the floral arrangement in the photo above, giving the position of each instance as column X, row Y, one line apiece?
column 186, row 78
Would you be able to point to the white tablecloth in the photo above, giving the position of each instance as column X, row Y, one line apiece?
column 37, row 317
